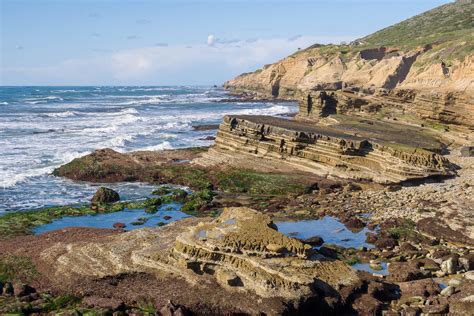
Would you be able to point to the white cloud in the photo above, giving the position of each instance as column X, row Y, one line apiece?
column 212, row 62
column 210, row 39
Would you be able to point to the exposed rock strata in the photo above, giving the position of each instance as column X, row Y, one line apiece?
column 327, row 151
column 241, row 250
column 445, row 107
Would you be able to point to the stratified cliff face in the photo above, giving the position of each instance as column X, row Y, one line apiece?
column 331, row 151
column 430, row 57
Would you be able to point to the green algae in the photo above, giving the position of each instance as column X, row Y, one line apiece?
column 17, row 268
column 23, row 222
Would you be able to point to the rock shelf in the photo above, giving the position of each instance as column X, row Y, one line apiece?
column 328, row 151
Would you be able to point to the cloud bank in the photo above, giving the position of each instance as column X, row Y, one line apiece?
column 211, row 62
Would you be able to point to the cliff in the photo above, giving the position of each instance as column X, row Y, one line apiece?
column 430, row 56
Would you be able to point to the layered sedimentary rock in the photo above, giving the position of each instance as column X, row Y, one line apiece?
column 241, row 250
column 334, row 152
column 424, row 64
column 444, row 107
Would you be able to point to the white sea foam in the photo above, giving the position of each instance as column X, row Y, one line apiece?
column 37, row 139
column 60, row 114
column 161, row 146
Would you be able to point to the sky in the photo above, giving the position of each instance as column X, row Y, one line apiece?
column 174, row 42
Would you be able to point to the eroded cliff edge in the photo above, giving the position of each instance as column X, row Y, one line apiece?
column 423, row 66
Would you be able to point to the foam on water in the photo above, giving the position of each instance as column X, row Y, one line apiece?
column 42, row 128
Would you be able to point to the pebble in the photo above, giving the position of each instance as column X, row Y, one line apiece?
column 448, row 291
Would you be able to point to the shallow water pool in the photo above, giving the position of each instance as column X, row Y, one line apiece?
column 329, row 228
column 167, row 213
column 366, row 267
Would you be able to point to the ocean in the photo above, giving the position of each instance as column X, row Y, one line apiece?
column 42, row 128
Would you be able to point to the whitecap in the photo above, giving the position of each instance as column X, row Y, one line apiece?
column 161, row 146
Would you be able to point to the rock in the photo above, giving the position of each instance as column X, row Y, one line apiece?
column 208, row 138
column 328, row 252
column 436, row 308
column 467, row 261
column 103, row 302
column 367, row 305
column 467, row 151
column 8, row 289
column 454, row 282
column 393, row 188
column 105, row 195
column 407, row 247
column 386, row 243
column 119, row 225
column 194, row 248
column 171, row 309
column 448, row 291
column 314, row 241
column 403, row 271
column 423, row 288
column 228, row 278
column 21, row 289
column 463, row 306
column 469, row 275
column 353, row 223
column 205, row 127
column 275, row 248
column 246, row 136
column 449, row 266
column 166, row 217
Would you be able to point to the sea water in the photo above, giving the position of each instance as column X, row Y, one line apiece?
column 42, row 128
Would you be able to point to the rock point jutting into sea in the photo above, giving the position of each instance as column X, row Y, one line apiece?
column 361, row 203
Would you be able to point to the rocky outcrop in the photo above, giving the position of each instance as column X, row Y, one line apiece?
column 105, row 195
column 329, row 151
column 445, row 107
column 241, row 250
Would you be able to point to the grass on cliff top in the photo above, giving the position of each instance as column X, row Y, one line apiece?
column 441, row 24
column 448, row 28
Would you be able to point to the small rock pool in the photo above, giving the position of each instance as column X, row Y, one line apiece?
column 132, row 218
column 329, row 228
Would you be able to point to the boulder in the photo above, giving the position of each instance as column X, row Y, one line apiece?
column 467, row 151
column 423, row 288
column 367, row 305
column 403, row 271
column 314, row 241
column 467, row 261
column 448, row 291
column 119, row 225
column 450, row 265
column 105, row 195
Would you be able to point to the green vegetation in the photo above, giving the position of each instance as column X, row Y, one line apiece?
column 258, row 183
column 22, row 223
column 17, row 268
column 405, row 230
column 198, row 201
column 140, row 221
column 442, row 24
column 447, row 29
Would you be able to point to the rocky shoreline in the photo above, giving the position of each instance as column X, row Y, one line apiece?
column 382, row 144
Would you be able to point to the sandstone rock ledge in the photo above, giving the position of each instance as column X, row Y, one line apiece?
column 241, row 250
column 326, row 151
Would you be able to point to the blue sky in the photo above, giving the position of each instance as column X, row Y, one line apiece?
column 145, row 42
